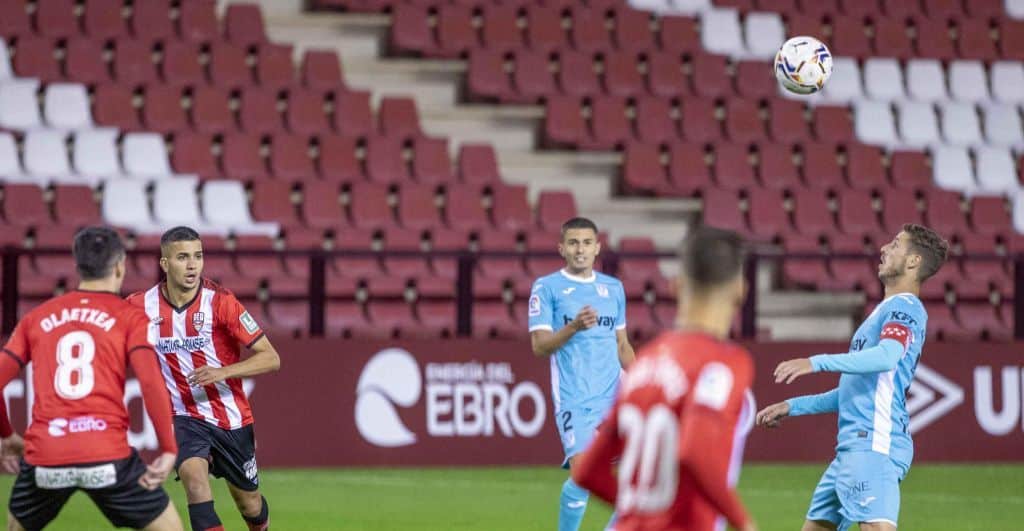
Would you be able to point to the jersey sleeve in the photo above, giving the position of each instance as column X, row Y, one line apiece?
column 17, row 346
column 236, row 320
column 541, row 309
column 137, row 299
column 620, row 321
column 711, row 417
column 139, row 334
column 904, row 321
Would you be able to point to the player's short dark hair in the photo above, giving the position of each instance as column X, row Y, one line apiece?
column 711, row 257
column 578, row 223
column 932, row 248
column 179, row 234
column 96, row 250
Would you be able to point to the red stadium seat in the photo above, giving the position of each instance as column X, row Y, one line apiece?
column 494, row 271
column 321, row 206
column 217, row 266
column 369, row 207
column 554, row 207
column 712, row 73
column 299, row 239
column 23, row 206
column 768, row 217
column 621, row 76
column 352, row 114
column 984, row 8
column 754, row 80
column 492, row 320
column 258, row 266
column 163, row 111
column 399, row 117
column 638, row 267
column 721, row 208
column 499, row 30
column 289, row 158
column 447, row 240
column 210, row 111
column 981, row 321
column 860, row 7
column 576, row 75
column 337, row 160
column 979, row 269
column 272, row 201
column 541, row 245
column 665, row 75
column 544, row 31
column 892, row 39
column 698, row 121
column 909, row 170
column 989, row 216
column 531, row 77
column 687, row 170
column 864, row 167
column 228, row 66
column 587, row 31
column 942, row 326
column 456, row 35
column 321, row 70
column 257, row 112
column 410, row 29
column 54, row 265
column 355, row 266
column 404, row 268
column 346, row 320
column 901, row 8
column 1011, row 39
column 821, row 166
column 393, row 319
column 56, row 19
column 102, row 19
column 112, row 106
column 776, row 168
column 804, row 24
column 285, row 318
column 486, row 77
column 464, row 209
column 35, row 57
column 786, row 121
column 274, row 69
column 856, row 272
column 430, row 161
column 14, row 20
column 899, row 207
column 632, row 30
column 679, row 34
column 856, row 213
column 933, row 39
column 944, row 212
column 133, row 63
column 151, row 20
column 564, row 124
column 384, row 160
column 609, row 124
column 243, row 25
column 197, row 21
column 799, row 271
column 733, row 170
column 417, row 207
column 641, row 323
column 478, row 164
column 811, row 213
column 849, row 37
column 241, row 159
column 511, row 208
column 83, row 62
column 974, row 40
column 436, row 319
column 642, row 171
column 653, row 119
column 74, row 206
column 305, row 114
column 193, row 154
column 180, row 64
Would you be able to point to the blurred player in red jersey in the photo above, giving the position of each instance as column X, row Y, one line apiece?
column 199, row 327
column 684, row 408
column 80, row 345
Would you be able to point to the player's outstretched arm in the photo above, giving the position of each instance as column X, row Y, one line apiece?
column 545, row 342
column 11, row 444
column 884, row 356
column 772, row 415
column 264, row 359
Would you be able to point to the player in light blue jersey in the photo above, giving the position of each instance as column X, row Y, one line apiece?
column 874, row 448
column 577, row 319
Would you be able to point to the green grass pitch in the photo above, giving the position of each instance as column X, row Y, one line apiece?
column 935, row 498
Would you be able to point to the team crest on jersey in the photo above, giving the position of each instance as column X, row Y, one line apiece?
column 602, row 290
column 156, row 320
column 534, row 307
column 248, row 322
column 197, row 320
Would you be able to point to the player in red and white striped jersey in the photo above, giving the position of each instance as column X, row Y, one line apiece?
column 199, row 328
column 684, row 409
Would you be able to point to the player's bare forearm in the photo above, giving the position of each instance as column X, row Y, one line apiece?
column 264, row 359
column 626, row 353
column 546, row 342
column 9, row 369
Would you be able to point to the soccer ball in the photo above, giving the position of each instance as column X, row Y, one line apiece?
column 803, row 65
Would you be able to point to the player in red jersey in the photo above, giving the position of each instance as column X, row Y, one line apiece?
column 199, row 328
column 80, row 345
column 684, row 408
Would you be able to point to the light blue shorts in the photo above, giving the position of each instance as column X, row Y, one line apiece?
column 577, row 427
column 858, row 486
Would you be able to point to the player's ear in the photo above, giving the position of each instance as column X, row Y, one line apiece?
column 163, row 263
column 740, row 289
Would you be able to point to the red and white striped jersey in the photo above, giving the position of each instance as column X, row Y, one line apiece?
column 208, row 330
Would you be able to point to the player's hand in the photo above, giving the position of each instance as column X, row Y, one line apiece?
column 157, row 471
column 750, row 526
column 586, row 318
column 772, row 415
column 206, row 375
column 788, row 371
column 11, row 450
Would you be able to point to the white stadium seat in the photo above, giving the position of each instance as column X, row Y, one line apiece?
column 764, row 34
column 19, row 108
column 845, row 84
column 873, row 123
column 95, row 153
column 175, row 202
column 926, row 80
column 720, row 32
column 1015, row 8
column 225, row 205
column 66, row 106
column 883, row 79
column 10, row 164
column 125, row 205
column 960, row 124
column 671, row 7
column 967, row 81
column 1003, row 125
column 1007, row 79
column 5, row 62
column 145, row 155
column 1018, row 210
column 995, row 171
column 46, row 155
column 919, row 127
column 951, row 169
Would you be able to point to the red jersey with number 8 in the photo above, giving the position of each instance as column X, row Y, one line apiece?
column 208, row 330
column 677, row 430
column 79, row 346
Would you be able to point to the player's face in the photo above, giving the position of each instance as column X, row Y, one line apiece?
column 183, row 264
column 579, row 247
column 893, row 263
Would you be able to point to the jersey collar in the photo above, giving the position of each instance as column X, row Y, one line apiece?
column 894, row 295
column 178, row 309
column 574, row 278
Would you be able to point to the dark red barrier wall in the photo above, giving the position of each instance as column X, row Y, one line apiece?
column 466, row 402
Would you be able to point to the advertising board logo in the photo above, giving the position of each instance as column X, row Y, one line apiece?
column 391, row 377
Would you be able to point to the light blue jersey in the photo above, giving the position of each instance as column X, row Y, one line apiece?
column 585, row 371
